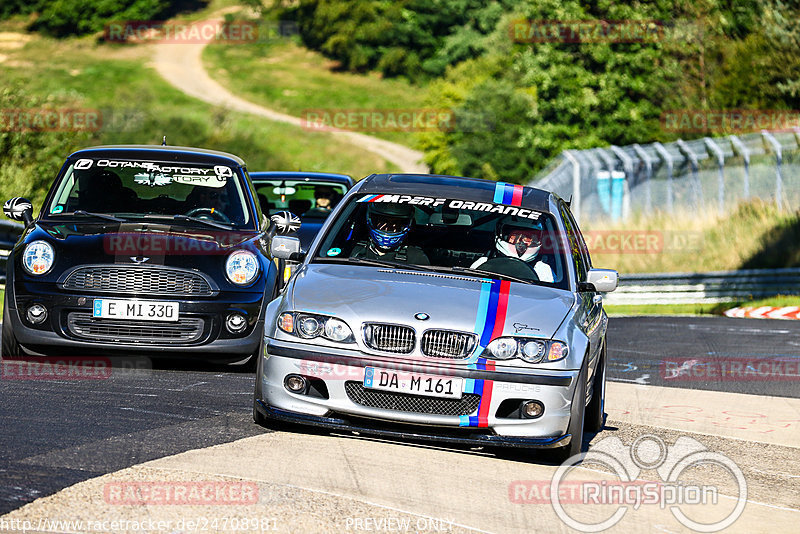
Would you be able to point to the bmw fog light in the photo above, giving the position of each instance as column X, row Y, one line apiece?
column 532, row 409
column 235, row 323
column 37, row 314
column 295, row 383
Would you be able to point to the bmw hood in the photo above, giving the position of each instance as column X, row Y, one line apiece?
column 423, row 300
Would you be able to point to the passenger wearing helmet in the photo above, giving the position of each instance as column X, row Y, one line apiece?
column 389, row 226
column 522, row 240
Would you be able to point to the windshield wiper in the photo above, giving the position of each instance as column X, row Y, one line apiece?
column 213, row 224
column 488, row 274
column 377, row 263
column 97, row 215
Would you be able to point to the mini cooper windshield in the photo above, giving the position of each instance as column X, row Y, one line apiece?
column 448, row 235
column 135, row 189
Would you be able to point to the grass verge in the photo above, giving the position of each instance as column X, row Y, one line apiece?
column 287, row 77
column 698, row 309
column 754, row 236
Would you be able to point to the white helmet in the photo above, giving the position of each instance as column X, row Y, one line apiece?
column 518, row 239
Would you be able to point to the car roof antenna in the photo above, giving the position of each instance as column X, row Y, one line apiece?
column 164, row 141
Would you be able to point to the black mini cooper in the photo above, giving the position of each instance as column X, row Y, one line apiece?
column 149, row 249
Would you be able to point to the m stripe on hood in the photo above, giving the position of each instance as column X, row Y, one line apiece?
column 489, row 324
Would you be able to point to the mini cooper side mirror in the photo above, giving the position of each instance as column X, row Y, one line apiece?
column 600, row 280
column 285, row 223
column 19, row 209
column 286, row 248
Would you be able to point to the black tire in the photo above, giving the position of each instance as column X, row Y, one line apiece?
column 258, row 418
column 10, row 347
column 578, row 411
column 595, row 416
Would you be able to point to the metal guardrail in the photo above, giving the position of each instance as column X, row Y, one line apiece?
column 711, row 287
column 712, row 174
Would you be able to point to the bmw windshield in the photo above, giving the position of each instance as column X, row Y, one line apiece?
column 136, row 189
column 449, row 235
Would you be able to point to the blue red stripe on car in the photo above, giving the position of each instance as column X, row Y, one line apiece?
column 489, row 324
column 508, row 194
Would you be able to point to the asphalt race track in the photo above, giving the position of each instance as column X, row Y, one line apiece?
column 56, row 434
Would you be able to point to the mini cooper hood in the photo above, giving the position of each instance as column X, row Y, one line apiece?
column 175, row 245
column 359, row 294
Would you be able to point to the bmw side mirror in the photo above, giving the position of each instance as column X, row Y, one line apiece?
column 19, row 209
column 285, row 223
column 600, row 280
column 286, row 248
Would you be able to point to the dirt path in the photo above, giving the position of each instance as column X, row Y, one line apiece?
column 182, row 66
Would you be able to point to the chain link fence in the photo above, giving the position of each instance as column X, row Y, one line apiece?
column 682, row 177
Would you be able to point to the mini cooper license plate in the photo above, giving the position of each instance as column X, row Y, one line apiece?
column 141, row 310
column 413, row 383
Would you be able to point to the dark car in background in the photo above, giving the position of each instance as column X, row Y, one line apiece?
column 310, row 195
column 154, row 249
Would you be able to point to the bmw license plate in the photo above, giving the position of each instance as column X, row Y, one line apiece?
column 448, row 387
column 142, row 310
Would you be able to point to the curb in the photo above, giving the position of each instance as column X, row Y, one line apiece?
column 765, row 312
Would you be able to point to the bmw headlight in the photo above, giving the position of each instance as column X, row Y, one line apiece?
column 38, row 257
column 310, row 326
column 527, row 349
column 242, row 267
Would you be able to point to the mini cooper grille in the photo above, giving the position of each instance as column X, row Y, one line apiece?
column 184, row 330
column 402, row 402
column 389, row 337
column 139, row 280
column 447, row 344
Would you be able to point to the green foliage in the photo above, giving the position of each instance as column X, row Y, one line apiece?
column 546, row 97
column 412, row 38
column 60, row 18
column 30, row 159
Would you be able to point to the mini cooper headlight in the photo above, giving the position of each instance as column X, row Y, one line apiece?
column 242, row 267
column 38, row 257
column 309, row 326
column 527, row 349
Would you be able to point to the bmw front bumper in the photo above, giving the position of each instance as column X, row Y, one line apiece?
column 336, row 378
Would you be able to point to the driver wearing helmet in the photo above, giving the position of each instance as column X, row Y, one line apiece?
column 522, row 240
column 389, row 226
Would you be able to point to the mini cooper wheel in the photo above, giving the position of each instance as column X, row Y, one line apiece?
column 10, row 346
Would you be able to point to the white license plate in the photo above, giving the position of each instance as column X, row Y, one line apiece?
column 413, row 383
column 143, row 310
